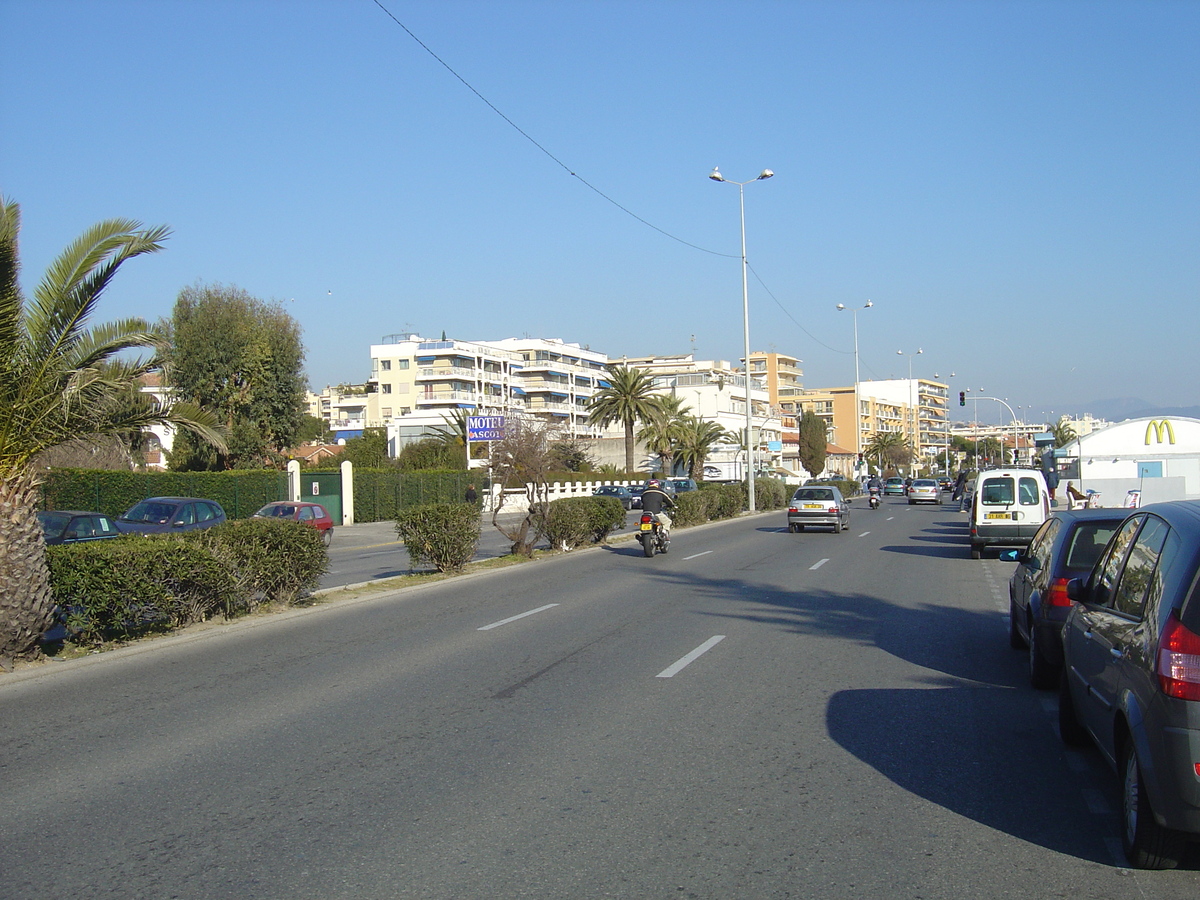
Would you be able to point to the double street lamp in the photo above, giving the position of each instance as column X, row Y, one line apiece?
column 857, row 410
column 716, row 175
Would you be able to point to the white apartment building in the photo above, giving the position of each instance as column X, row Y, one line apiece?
column 415, row 382
column 922, row 407
column 715, row 391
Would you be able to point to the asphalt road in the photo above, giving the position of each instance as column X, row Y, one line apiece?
column 361, row 554
column 757, row 714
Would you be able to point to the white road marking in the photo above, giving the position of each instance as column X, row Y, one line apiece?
column 864, row 534
column 679, row 666
column 889, row 518
column 694, row 555
column 519, row 616
column 818, row 564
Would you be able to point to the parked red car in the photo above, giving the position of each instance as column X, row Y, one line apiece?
column 313, row 513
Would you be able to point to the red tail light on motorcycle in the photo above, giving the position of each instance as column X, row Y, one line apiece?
column 647, row 518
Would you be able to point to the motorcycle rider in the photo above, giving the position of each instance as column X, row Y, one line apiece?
column 874, row 490
column 653, row 500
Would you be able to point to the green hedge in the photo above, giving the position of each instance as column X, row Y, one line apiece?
column 241, row 493
column 443, row 535
column 131, row 585
column 573, row 521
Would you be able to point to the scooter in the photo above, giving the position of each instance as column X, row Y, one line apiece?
column 873, row 498
column 651, row 534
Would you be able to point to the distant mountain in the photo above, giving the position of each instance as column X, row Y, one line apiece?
column 1118, row 410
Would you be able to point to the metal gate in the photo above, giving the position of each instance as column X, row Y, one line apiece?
column 324, row 488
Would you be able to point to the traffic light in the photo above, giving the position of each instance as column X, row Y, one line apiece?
column 962, row 398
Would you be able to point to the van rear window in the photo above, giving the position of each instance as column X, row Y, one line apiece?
column 997, row 492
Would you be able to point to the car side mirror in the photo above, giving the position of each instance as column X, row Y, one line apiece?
column 1010, row 556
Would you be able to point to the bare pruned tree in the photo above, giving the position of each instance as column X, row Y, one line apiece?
column 524, row 459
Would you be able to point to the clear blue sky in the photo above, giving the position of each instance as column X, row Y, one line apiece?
column 1015, row 185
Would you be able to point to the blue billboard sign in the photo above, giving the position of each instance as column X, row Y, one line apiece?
column 485, row 428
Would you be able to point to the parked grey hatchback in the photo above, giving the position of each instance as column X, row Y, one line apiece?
column 1131, row 675
column 818, row 505
column 158, row 515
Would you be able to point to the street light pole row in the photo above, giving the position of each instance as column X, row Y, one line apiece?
column 716, row 175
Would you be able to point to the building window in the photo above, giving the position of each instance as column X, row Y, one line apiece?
column 386, row 365
column 387, row 388
column 386, row 412
column 405, row 410
column 402, row 364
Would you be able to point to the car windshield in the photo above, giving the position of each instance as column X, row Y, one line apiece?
column 53, row 524
column 153, row 511
column 271, row 510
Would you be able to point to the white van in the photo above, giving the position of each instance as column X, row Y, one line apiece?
column 1007, row 507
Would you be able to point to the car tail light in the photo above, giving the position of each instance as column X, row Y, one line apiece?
column 1179, row 661
column 792, row 509
column 833, row 510
column 1056, row 595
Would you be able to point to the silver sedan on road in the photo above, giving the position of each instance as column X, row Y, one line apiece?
column 818, row 505
column 924, row 490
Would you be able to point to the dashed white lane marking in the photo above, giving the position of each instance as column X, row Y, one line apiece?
column 694, row 555
column 818, row 564
column 864, row 534
column 673, row 669
column 889, row 518
column 518, row 616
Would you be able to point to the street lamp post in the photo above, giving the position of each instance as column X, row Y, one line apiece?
column 857, row 412
column 716, row 175
column 915, row 411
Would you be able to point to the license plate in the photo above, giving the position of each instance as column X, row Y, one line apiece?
column 647, row 526
column 999, row 515
column 813, row 506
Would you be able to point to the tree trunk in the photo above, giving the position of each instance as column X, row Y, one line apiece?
column 26, row 604
column 629, row 445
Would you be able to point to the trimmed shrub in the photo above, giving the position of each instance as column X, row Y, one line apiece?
column 277, row 561
column 770, row 493
column 241, row 493
column 573, row 521
column 443, row 535
column 724, row 500
column 691, row 508
column 130, row 586
column 127, row 586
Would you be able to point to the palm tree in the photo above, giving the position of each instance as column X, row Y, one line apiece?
column 697, row 440
column 628, row 399
column 888, row 448
column 663, row 432
column 59, row 381
column 1063, row 433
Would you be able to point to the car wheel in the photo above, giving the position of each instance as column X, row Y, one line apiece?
column 1072, row 733
column 1014, row 633
column 327, row 537
column 1042, row 675
column 1147, row 844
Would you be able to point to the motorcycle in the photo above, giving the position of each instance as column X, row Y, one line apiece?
column 651, row 534
column 873, row 498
